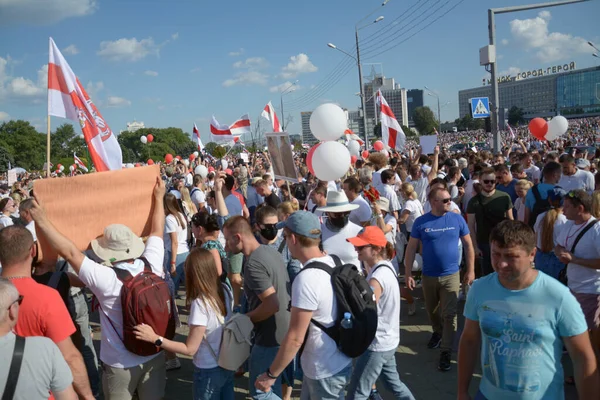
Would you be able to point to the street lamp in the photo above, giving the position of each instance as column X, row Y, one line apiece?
column 289, row 89
column 357, row 59
column 495, row 100
column 430, row 93
column 592, row 44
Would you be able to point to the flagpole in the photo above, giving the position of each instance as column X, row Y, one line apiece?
column 48, row 147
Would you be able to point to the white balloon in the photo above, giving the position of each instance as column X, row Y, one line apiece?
column 196, row 154
column 331, row 161
column 557, row 127
column 130, row 165
column 143, row 139
column 552, row 133
column 71, row 168
column 224, row 164
column 354, row 148
column 328, row 122
column 62, row 168
column 201, row 170
column 186, row 162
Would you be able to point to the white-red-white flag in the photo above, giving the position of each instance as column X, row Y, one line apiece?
column 350, row 135
column 241, row 126
column 197, row 138
column 269, row 114
column 68, row 99
column 391, row 132
column 79, row 163
column 511, row 131
column 222, row 133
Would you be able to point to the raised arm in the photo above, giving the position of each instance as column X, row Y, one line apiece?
column 434, row 166
column 158, row 214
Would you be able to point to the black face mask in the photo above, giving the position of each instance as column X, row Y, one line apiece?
column 339, row 221
column 269, row 231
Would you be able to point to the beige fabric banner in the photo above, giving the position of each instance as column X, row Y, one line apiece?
column 82, row 206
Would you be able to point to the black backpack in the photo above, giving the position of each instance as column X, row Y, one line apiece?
column 354, row 296
column 539, row 207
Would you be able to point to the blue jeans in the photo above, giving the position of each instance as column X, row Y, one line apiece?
column 213, row 383
column 260, row 360
column 480, row 396
column 372, row 365
column 486, row 259
column 331, row 388
column 179, row 269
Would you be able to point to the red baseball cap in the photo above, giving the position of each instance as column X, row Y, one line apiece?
column 371, row 235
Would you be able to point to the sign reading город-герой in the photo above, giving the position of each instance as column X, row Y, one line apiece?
column 534, row 73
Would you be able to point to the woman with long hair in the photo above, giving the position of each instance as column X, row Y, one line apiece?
column 379, row 361
column 413, row 208
column 285, row 209
column 547, row 227
column 521, row 188
column 206, row 231
column 7, row 207
column 175, row 238
column 189, row 208
column 596, row 204
column 210, row 303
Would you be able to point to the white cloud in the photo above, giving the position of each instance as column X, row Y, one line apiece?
column 236, row 53
column 115, row 101
column 151, row 73
column 533, row 34
column 93, row 88
column 512, row 71
column 4, row 116
column 72, row 50
column 175, row 36
column 252, row 63
column 504, row 42
column 194, row 70
column 36, row 12
column 299, row 64
column 128, row 49
column 283, row 86
column 247, row 78
column 19, row 88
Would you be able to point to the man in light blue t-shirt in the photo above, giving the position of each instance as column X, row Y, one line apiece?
column 439, row 232
column 520, row 318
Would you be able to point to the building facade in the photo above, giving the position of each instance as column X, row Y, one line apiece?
column 393, row 93
column 574, row 93
column 307, row 136
column 414, row 98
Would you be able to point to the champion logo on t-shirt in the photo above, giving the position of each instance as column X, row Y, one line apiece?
column 448, row 228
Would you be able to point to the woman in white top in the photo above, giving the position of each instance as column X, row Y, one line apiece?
column 210, row 306
column 379, row 361
column 412, row 207
column 189, row 208
column 175, row 238
column 547, row 227
column 521, row 188
column 7, row 207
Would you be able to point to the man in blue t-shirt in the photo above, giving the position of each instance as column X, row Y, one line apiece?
column 551, row 175
column 520, row 319
column 439, row 232
column 505, row 182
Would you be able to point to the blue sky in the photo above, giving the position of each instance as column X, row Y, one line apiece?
column 173, row 63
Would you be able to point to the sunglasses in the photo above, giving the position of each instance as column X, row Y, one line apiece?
column 19, row 300
column 489, row 181
column 445, row 201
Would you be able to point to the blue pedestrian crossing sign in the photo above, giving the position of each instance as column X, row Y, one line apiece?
column 480, row 107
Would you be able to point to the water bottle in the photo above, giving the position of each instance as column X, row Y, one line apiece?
column 347, row 321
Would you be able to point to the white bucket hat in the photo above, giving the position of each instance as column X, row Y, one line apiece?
column 118, row 243
column 337, row 202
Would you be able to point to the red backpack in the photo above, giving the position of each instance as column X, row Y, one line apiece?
column 145, row 299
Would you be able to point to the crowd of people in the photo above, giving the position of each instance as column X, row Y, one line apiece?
column 513, row 233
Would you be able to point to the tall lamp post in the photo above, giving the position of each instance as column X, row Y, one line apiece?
column 285, row 91
column 494, row 101
column 430, row 93
column 357, row 28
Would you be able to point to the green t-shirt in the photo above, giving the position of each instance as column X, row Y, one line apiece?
column 489, row 212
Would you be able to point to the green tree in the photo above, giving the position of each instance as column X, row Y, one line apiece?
column 166, row 141
column 25, row 144
column 60, row 141
column 516, row 116
column 425, row 121
column 5, row 157
column 408, row 132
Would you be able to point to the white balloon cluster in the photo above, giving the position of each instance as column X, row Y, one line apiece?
column 143, row 139
column 201, row 170
column 557, row 127
column 331, row 159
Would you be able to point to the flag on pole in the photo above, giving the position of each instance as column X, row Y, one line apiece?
column 511, row 131
column 350, row 135
column 79, row 163
column 68, row 99
column 197, row 138
column 222, row 133
column 270, row 115
column 391, row 132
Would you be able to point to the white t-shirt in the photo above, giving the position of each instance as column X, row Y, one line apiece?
column 172, row 225
column 234, row 207
column 388, row 192
column 312, row 291
column 362, row 213
column 198, row 197
column 533, row 173
column 203, row 314
column 420, row 186
column 31, row 228
column 416, row 210
column 105, row 285
column 579, row 180
column 5, row 221
column 388, row 308
column 561, row 220
column 189, row 180
column 582, row 279
column 391, row 221
column 335, row 242
column 520, row 207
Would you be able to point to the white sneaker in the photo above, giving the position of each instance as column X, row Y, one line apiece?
column 173, row 364
column 412, row 309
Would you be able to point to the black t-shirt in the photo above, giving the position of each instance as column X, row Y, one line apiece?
column 272, row 200
column 63, row 288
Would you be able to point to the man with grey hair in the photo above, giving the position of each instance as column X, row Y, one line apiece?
column 42, row 367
